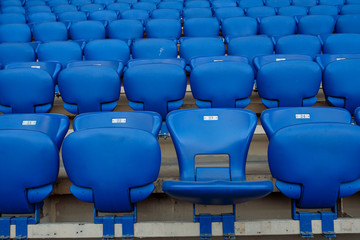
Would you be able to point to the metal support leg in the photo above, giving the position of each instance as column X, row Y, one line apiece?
column 205, row 227
column 21, row 227
column 305, row 225
column 5, row 223
column 128, row 227
column 228, row 221
column 108, row 227
column 327, row 224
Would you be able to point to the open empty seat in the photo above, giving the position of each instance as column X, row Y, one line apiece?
column 9, row 18
column 87, row 30
column 226, row 82
column 293, row 11
column 59, row 51
column 340, row 85
column 265, row 59
column 277, row 118
column 41, row 17
column 277, row 3
column 239, row 27
column 103, row 15
column 16, row 52
column 277, row 26
column 152, row 48
column 125, row 29
column 289, row 83
column 315, row 164
column 324, row 10
column 342, row 43
column 15, row 32
column 299, row 44
column 26, row 90
column 201, row 27
column 107, row 49
column 348, row 24
column 197, row 13
column 228, row 12
column 212, row 132
column 50, row 31
column 72, row 17
column 250, row 3
column 158, row 87
column 160, row 28
column 165, row 14
column 324, row 59
column 89, row 88
column 135, row 14
column 316, row 24
column 259, row 12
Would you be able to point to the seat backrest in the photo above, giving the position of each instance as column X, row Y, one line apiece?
column 228, row 12
column 332, row 2
column 197, row 4
column 210, row 132
column 277, row 3
column 41, row 17
column 258, row 12
column 299, row 44
column 197, row 13
column 72, row 16
column 53, row 68
column 50, row 31
column 89, row 88
column 119, row 7
column 223, row 3
column 15, row 32
column 13, row 9
column 38, row 8
column 154, row 48
column 16, row 52
column 53, row 3
column 87, row 30
column 293, row 11
column 116, row 174
column 91, row 7
column 160, row 28
column 9, row 18
column 350, row 9
column 64, row 8
column 319, row 157
column 125, row 29
column 266, row 59
column 201, row 27
column 148, row 6
column 316, row 24
column 107, row 49
column 230, row 27
column 136, row 14
column 171, row 5
column 26, row 90
column 103, row 15
column 324, row 59
column 147, row 121
column 348, row 24
column 277, row 26
column 342, row 43
column 250, row 3
column 277, row 118
column 165, row 14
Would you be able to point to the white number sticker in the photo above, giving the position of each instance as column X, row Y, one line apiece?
column 27, row 123
column 302, row 116
column 119, row 120
column 280, row 59
column 211, row 118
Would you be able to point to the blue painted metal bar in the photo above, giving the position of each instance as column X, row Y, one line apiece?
column 5, row 223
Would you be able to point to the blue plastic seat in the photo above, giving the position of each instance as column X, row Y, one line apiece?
column 41, row 17
column 350, row 9
column 59, row 51
column 250, row 46
column 332, row 2
column 50, row 31
column 342, row 43
column 324, row 10
column 201, row 27
column 352, row 2
column 259, row 12
column 316, row 24
column 89, row 88
column 16, row 52
column 80, row 2
column 127, row 1
column 263, row 60
column 26, row 90
column 250, row 3
column 211, row 132
column 239, row 27
column 9, row 18
column 160, row 28
column 277, row 3
column 171, row 5
column 165, row 14
column 197, row 13
column 196, row 61
column 87, row 30
column 357, row 115
column 304, row 3
column 135, row 14
column 14, row 3
column 226, row 82
column 275, row 119
column 289, row 83
column 340, row 85
column 293, row 11
column 299, row 44
column 118, row 66
column 197, row 4
column 223, row 3
column 91, row 7
column 107, row 49
column 39, row 8
column 158, row 87
column 15, row 33
column 72, row 17
column 118, row 7
column 324, row 59
column 228, row 12
column 103, row 15
column 64, row 8
column 104, row 2
column 152, row 48
column 53, row 3
column 34, row 3
column 13, row 9
column 348, row 24
column 277, row 26
column 147, row 6
column 125, row 29
column 175, row 61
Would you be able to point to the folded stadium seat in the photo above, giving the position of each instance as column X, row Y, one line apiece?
column 11, row 3
column 289, row 83
column 292, row 11
column 153, row 1
column 9, row 18
column 197, row 13
column 80, row 2
column 223, row 3
column 339, row 84
column 118, row 66
column 103, row 15
column 68, row 17
column 127, row 1
column 297, row 159
column 108, row 50
column 299, row 44
column 277, row 3
column 15, row 32
column 171, row 5
column 64, row 8
column 59, row 51
column 197, row 4
column 89, row 88
column 26, row 90
column 250, row 46
column 277, row 118
column 148, row 6
column 277, row 26
column 28, row 149
column 260, row 61
column 348, row 24
column 352, row 2
column 342, row 43
column 201, row 27
column 304, row 3
column 118, row 175
column 165, row 14
column 157, row 86
column 36, row 9
column 324, row 59
column 87, row 30
column 212, row 132
column 92, row 7
column 34, row 3
column 135, row 14
column 104, row 2
column 160, row 28
column 50, row 31
column 118, row 7
column 250, row 3
column 224, row 82
column 239, row 27
column 125, row 29
column 350, row 9
column 16, row 52
column 324, row 10
column 41, row 17
column 228, row 12
column 332, row 2
column 259, row 12
column 53, row 3
column 200, row 47
column 152, row 48
column 316, row 24
column 13, row 9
